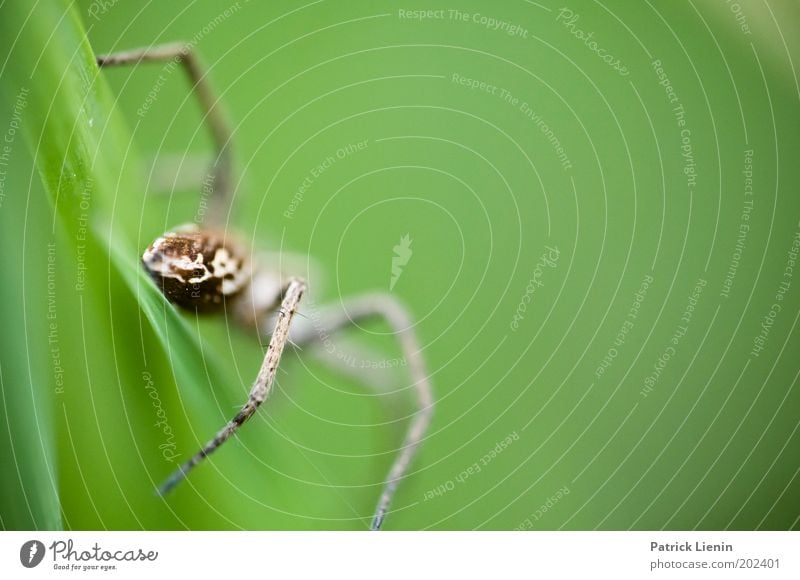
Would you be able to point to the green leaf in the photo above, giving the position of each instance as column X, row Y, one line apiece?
column 79, row 358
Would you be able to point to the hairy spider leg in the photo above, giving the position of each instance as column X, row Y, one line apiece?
column 183, row 54
column 262, row 387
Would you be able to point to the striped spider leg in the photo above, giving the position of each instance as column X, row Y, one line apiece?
column 204, row 270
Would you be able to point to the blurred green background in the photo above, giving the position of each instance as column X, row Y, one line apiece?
column 603, row 263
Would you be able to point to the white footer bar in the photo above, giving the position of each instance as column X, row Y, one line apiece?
column 403, row 555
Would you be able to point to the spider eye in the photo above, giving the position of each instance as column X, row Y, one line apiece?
column 196, row 269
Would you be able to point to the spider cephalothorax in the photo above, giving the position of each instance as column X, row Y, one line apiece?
column 196, row 269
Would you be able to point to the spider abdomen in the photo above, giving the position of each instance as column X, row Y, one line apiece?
column 196, row 269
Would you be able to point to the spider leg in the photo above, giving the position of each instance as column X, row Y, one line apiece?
column 388, row 308
column 182, row 54
column 291, row 295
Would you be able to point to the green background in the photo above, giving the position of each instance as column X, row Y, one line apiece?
column 480, row 189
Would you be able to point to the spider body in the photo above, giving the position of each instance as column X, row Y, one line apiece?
column 197, row 269
column 206, row 271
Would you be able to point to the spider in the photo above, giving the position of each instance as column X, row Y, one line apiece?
column 204, row 270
